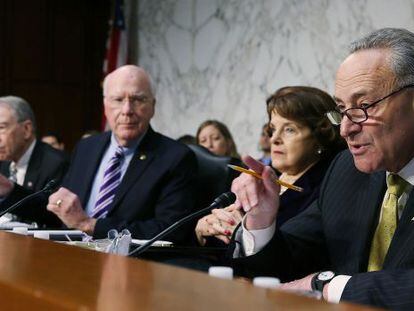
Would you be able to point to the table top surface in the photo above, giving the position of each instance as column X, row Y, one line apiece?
column 38, row 274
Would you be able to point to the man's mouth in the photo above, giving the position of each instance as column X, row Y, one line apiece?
column 358, row 149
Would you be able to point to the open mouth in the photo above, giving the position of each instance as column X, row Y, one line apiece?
column 358, row 149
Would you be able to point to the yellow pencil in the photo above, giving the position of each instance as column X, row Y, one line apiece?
column 257, row 175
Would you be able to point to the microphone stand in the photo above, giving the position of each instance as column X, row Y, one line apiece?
column 224, row 199
column 47, row 189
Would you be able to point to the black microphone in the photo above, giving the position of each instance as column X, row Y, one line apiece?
column 221, row 201
column 46, row 190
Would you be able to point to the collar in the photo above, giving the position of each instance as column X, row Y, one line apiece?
column 24, row 160
column 132, row 146
column 407, row 172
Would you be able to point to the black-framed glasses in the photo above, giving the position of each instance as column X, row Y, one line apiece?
column 358, row 114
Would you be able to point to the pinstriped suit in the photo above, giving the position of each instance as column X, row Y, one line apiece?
column 335, row 233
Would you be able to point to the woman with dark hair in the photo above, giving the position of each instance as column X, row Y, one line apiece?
column 303, row 143
column 216, row 137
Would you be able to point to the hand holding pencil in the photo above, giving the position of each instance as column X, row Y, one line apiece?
column 257, row 175
column 259, row 200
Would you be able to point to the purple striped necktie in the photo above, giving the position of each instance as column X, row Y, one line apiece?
column 110, row 183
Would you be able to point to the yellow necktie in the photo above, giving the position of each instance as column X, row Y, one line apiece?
column 386, row 227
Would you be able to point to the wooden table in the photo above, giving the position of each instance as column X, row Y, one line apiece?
column 44, row 275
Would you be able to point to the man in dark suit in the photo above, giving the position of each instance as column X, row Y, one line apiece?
column 27, row 165
column 131, row 177
column 361, row 227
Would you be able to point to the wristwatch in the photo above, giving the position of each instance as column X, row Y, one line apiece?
column 320, row 279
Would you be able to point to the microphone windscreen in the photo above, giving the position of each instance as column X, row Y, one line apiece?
column 225, row 199
column 49, row 186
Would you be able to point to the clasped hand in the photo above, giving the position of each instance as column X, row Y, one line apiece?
column 220, row 224
column 6, row 186
column 66, row 205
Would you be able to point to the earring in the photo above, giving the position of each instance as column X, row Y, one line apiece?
column 319, row 151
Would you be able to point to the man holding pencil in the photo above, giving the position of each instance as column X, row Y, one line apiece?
column 356, row 242
column 130, row 177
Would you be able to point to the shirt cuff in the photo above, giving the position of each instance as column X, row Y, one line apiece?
column 254, row 240
column 336, row 287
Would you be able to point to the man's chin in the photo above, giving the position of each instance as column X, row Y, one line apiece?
column 129, row 136
column 365, row 165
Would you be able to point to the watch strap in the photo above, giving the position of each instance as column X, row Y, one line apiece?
column 317, row 284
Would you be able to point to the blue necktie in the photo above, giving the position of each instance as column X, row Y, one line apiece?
column 110, row 183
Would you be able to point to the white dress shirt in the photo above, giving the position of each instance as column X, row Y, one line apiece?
column 23, row 163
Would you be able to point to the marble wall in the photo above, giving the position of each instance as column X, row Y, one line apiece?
column 220, row 59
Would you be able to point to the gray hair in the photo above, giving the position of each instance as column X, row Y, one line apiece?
column 20, row 108
column 401, row 44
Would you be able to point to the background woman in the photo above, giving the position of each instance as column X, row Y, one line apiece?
column 216, row 137
column 303, row 143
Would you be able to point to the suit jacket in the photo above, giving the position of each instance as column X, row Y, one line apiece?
column 335, row 233
column 293, row 202
column 45, row 164
column 155, row 191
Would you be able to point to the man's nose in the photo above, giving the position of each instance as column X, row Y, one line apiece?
column 348, row 127
column 127, row 105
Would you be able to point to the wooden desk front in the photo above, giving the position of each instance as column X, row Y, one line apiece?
column 44, row 275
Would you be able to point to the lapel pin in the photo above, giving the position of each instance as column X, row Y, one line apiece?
column 30, row 184
column 142, row 157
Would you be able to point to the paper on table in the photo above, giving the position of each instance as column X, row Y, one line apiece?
column 13, row 224
column 156, row 243
column 8, row 222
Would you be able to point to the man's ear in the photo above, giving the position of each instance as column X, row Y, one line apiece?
column 27, row 129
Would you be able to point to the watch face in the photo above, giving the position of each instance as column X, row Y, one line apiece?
column 326, row 275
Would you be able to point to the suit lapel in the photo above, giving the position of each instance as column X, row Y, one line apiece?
column 143, row 156
column 33, row 167
column 403, row 237
column 368, row 213
column 91, row 162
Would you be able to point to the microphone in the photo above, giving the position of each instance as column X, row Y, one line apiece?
column 221, row 201
column 46, row 190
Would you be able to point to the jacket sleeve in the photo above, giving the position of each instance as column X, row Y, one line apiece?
column 391, row 289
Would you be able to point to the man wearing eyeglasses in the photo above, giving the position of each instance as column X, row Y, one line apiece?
column 130, row 177
column 356, row 243
column 26, row 164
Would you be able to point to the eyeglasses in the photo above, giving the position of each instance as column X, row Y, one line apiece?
column 134, row 100
column 6, row 126
column 359, row 114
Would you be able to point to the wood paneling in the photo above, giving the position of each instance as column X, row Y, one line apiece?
column 51, row 54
